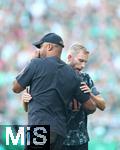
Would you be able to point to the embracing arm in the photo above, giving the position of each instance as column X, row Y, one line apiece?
column 84, row 98
column 26, row 97
column 25, row 77
column 17, row 88
column 89, row 106
column 100, row 102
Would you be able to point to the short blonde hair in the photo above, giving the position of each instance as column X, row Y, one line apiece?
column 75, row 48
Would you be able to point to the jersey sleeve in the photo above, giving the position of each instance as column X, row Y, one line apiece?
column 25, row 76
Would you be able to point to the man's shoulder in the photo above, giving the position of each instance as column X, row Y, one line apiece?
column 72, row 72
column 38, row 61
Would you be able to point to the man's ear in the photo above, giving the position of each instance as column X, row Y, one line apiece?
column 49, row 47
column 69, row 57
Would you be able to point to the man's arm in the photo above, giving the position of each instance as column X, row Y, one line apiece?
column 85, row 100
column 76, row 106
column 89, row 106
column 17, row 88
column 26, row 97
column 24, row 78
column 100, row 103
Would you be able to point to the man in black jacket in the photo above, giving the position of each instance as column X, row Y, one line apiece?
column 53, row 84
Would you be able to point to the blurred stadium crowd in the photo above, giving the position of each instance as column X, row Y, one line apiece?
column 95, row 23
